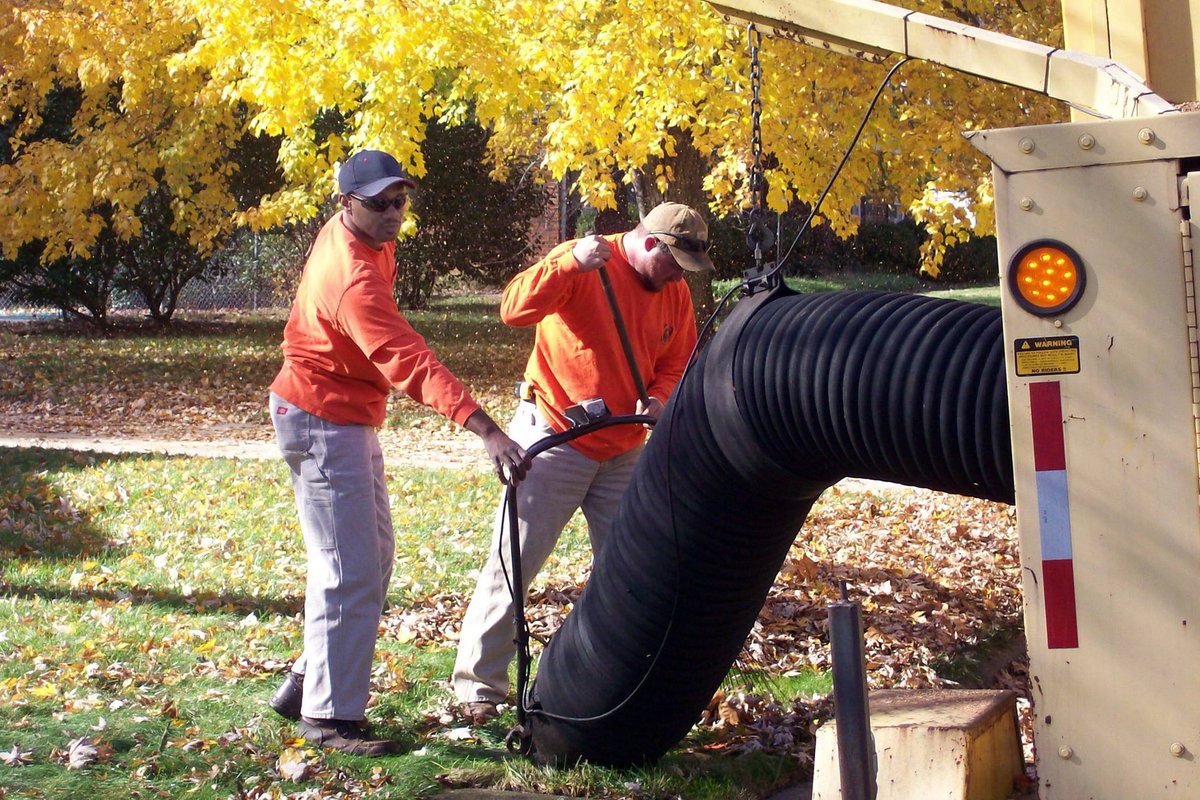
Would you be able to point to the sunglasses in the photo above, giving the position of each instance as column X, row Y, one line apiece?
column 689, row 243
column 379, row 205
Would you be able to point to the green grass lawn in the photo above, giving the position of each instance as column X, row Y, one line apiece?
column 149, row 604
column 988, row 294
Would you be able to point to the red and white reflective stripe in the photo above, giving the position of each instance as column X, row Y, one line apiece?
column 1054, row 515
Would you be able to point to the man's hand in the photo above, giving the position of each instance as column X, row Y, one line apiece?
column 653, row 409
column 591, row 253
column 508, row 458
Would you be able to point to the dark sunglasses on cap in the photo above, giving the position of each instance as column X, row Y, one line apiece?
column 379, row 205
column 689, row 243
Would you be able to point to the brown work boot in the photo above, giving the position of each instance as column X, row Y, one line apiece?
column 346, row 736
column 480, row 712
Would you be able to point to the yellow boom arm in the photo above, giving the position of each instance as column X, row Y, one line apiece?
column 873, row 31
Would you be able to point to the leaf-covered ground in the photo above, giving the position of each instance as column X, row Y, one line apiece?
column 938, row 575
column 938, row 579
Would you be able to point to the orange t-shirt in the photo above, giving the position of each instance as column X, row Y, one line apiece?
column 346, row 344
column 577, row 353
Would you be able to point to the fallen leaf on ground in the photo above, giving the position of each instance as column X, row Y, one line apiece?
column 16, row 757
column 293, row 764
column 81, row 752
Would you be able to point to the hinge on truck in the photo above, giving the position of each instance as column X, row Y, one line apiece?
column 1185, row 233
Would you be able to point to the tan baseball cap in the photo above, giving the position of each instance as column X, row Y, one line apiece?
column 684, row 231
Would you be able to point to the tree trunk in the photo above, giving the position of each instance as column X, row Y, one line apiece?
column 685, row 170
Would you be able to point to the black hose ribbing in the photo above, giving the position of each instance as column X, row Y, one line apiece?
column 793, row 394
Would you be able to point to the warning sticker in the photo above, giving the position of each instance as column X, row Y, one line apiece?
column 1055, row 355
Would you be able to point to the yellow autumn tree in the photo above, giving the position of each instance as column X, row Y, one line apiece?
column 601, row 90
column 137, row 126
column 610, row 91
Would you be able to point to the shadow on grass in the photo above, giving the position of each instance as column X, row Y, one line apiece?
column 36, row 522
column 40, row 524
column 681, row 768
column 203, row 602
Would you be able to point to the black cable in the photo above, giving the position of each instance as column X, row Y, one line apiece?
column 845, row 157
column 514, row 582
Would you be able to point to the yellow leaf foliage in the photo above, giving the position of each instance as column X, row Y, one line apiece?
column 596, row 91
column 140, row 125
column 587, row 88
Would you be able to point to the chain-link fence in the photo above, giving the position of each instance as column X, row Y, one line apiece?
column 229, row 293
column 252, row 272
column 226, row 294
column 12, row 308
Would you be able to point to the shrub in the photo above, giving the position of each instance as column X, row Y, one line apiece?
column 79, row 287
column 818, row 251
column 972, row 261
column 888, row 247
column 469, row 223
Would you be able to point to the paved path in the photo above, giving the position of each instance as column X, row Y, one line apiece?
column 459, row 450
column 229, row 448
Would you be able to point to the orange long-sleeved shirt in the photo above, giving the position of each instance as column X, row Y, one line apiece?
column 346, row 343
column 577, row 353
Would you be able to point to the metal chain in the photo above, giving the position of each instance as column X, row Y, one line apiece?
column 759, row 235
column 754, row 37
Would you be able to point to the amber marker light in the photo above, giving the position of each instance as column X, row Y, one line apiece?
column 1046, row 277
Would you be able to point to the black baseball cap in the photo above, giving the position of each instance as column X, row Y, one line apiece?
column 369, row 172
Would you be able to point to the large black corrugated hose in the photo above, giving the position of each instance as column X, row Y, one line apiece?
column 793, row 394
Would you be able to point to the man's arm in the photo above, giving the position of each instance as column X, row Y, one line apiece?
column 409, row 365
column 544, row 287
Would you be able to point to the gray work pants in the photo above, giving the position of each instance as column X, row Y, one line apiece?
column 560, row 481
column 341, row 496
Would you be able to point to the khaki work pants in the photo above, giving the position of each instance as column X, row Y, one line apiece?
column 560, row 481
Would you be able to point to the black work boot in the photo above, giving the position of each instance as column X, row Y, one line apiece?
column 288, row 697
column 346, row 736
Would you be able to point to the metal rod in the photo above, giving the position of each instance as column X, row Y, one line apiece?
column 518, row 591
column 851, row 711
column 638, row 383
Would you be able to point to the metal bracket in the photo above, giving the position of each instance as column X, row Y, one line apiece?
column 1186, row 182
column 760, row 279
column 586, row 412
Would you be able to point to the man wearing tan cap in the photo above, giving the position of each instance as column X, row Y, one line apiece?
column 577, row 356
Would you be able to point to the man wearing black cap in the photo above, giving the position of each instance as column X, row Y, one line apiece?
column 577, row 356
column 345, row 347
